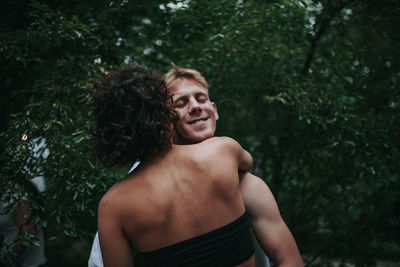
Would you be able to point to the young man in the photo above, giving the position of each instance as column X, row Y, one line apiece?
column 197, row 122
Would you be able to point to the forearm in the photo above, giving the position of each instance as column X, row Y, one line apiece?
column 278, row 243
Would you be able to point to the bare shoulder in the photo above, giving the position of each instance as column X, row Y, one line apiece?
column 116, row 197
column 214, row 149
column 221, row 139
column 109, row 201
column 221, row 142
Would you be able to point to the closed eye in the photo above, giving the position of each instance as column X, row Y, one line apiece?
column 180, row 103
column 202, row 98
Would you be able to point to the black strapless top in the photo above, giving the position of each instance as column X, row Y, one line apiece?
column 228, row 246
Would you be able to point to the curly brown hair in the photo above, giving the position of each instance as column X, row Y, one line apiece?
column 133, row 116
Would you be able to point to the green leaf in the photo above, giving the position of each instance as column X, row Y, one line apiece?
column 349, row 79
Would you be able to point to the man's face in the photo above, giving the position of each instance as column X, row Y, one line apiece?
column 197, row 114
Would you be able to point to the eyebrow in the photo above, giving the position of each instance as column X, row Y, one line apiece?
column 180, row 97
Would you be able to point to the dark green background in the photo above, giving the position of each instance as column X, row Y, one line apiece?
column 311, row 88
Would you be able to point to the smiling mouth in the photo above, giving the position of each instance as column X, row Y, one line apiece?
column 198, row 121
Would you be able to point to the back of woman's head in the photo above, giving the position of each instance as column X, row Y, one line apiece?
column 133, row 116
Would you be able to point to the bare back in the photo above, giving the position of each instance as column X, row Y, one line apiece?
column 185, row 192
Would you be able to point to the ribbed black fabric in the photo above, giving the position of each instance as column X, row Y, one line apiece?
column 228, row 246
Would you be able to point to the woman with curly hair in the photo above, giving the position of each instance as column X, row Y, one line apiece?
column 182, row 205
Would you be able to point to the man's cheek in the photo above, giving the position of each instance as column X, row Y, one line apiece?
column 179, row 113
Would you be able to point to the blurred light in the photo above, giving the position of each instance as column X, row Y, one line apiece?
column 103, row 70
column 97, row 60
column 119, row 41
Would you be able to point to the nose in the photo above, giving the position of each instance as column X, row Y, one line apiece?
column 194, row 106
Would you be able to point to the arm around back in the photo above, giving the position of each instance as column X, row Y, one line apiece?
column 269, row 228
column 245, row 161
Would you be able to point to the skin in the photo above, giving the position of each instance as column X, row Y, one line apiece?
column 191, row 102
column 170, row 197
column 197, row 114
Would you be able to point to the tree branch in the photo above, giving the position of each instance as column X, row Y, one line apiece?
column 317, row 36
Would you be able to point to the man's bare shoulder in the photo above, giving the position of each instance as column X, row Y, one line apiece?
column 213, row 149
column 220, row 142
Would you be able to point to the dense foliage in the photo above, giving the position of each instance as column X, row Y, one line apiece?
column 310, row 87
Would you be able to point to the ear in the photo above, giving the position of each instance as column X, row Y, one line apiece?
column 215, row 110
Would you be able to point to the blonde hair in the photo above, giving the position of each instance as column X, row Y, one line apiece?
column 176, row 73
